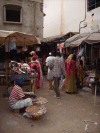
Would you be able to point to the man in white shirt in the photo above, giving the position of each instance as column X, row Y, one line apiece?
column 49, row 74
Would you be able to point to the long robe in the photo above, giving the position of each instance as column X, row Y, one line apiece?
column 37, row 70
column 70, row 81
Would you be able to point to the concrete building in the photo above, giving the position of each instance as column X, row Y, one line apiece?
column 22, row 15
column 63, row 16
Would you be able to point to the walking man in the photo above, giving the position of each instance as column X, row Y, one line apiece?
column 49, row 74
column 58, row 68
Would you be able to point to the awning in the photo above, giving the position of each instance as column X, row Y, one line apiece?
column 76, row 40
column 57, row 37
column 93, row 38
column 20, row 38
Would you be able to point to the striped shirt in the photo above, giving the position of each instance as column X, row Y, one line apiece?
column 16, row 95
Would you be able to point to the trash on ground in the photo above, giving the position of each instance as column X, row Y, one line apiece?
column 18, row 115
column 12, row 123
column 59, row 104
column 66, row 130
column 95, row 123
column 86, row 128
column 27, row 115
column 86, row 89
column 96, row 114
column 32, row 125
column 88, row 121
column 90, row 113
column 47, row 118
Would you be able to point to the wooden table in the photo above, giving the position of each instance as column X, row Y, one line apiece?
column 94, row 88
column 33, row 88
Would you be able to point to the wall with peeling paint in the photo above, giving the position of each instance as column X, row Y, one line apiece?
column 93, row 22
column 32, row 17
column 63, row 18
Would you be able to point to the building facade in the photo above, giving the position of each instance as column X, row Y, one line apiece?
column 63, row 16
column 22, row 15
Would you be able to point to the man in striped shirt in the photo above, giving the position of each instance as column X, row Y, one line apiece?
column 16, row 99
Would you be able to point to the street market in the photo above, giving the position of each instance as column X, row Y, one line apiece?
column 50, row 66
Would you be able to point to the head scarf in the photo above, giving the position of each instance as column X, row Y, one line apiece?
column 69, row 58
column 32, row 52
column 35, row 56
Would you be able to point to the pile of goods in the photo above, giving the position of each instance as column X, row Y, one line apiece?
column 36, row 110
column 21, row 68
column 41, row 100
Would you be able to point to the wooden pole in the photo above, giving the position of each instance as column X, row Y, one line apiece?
column 95, row 94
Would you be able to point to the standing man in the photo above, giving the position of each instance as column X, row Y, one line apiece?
column 49, row 74
column 58, row 68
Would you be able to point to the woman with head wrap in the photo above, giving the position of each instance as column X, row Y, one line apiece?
column 70, row 81
column 35, row 65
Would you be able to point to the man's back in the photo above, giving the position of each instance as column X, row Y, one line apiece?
column 58, row 67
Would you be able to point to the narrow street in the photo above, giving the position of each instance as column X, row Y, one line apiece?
column 67, row 114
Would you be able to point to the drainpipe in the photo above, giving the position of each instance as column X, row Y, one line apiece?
column 84, row 18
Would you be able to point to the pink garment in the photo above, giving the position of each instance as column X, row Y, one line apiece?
column 41, row 75
column 70, row 67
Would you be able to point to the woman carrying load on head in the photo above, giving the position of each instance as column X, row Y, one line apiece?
column 70, row 79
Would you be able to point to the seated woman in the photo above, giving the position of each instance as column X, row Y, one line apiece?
column 70, row 81
column 17, row 99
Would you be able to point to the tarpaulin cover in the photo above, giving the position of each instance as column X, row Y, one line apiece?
column 20, row 38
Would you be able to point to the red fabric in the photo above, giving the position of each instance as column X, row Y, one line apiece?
column 16, row 95
column 35, row 56
column 37, row 70
column 70, row 67
column 61, row 45
column 44, row 58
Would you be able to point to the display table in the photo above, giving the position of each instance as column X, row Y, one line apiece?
column 94, row 88
column 28, row 77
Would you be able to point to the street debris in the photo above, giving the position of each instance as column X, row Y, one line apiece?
column 86, row 89
column 66, row 130
column 86, row 128
column 90, row 113
column 59, row 104
column 27, row 115
column 32, row 125
column 18, row 115
column 90, row 121
column 47, row 118
column 12, row 123
column 95, row 123
column 96, row 114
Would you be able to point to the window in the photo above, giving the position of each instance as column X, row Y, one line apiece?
column 92, row 4
column 12, row 13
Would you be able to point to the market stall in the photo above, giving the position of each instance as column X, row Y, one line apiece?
column 14, row 43
column 88, row 50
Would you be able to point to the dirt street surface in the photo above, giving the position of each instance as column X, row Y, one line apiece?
column 72, row 113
